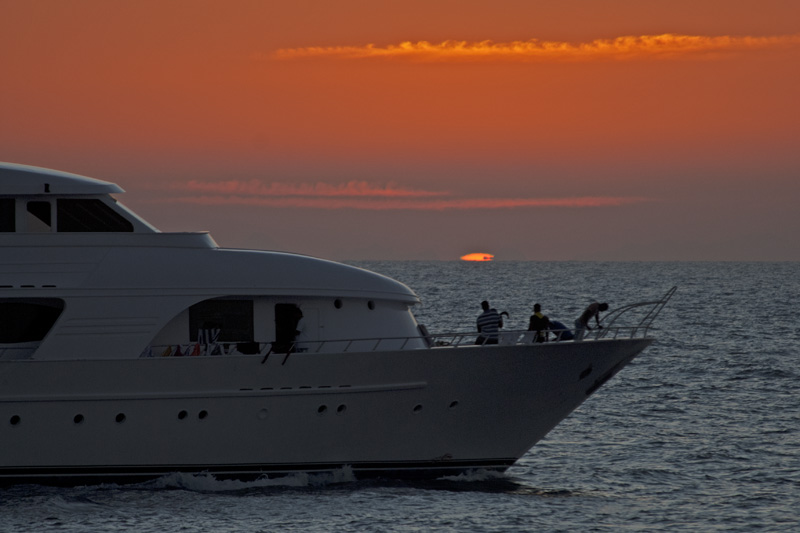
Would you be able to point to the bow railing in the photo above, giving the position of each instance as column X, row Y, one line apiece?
column 424, row 340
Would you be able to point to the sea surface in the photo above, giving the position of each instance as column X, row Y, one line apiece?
column 700, row 433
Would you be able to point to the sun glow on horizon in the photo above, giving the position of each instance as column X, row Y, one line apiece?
column 477, row 257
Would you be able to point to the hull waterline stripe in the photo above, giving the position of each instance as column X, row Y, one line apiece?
column 105, row 474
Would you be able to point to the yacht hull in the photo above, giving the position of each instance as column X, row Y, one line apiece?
column 419, row 413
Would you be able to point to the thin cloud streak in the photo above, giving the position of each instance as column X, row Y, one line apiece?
column 351, row 188
column 374, row 204
column 360, row 195
column 667, row 45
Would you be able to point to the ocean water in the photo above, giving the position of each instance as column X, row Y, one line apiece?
column 700, row 433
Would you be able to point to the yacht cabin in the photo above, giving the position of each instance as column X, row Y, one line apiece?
column 83, row 277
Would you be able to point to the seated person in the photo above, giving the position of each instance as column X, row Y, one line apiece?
column 540, row 324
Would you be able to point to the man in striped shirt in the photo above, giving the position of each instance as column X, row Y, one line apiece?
column 489, row 324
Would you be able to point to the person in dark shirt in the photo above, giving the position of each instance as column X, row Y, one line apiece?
column 540, row 324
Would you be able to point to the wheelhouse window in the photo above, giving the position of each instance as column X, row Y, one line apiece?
column 28, row 319
column 233, row 319
column 7, row 216
column 39, row 217
column 89, row 215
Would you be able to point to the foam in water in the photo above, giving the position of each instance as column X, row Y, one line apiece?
column 209, row 483
column 472, row 476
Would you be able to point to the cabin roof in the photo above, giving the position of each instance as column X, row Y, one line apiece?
column 19, row 180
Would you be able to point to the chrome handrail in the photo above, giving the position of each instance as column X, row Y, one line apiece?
column 374, row 344
column 422, row 340
column 430, row 341
column 656, row 306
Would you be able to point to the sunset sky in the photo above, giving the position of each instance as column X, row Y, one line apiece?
column 356, row 129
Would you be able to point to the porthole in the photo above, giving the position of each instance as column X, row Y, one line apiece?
column 202, row 415
column 182, row 415
column 417, row 408
column 453, row 404
column 341, row 409
column 371, row 305
column 337, row 303
column 321, row 409
column 78, row 419
column 15, row 420
column 120, row 418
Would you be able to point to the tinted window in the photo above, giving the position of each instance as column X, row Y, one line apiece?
column 234, row 319
column 89, row 215
column 7, row 215
column 287, row 317
column 39, row 218
column 27, row 319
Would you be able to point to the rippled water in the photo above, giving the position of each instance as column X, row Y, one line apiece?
column 700, row 433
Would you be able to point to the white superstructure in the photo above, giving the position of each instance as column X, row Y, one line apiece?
column 126, row 353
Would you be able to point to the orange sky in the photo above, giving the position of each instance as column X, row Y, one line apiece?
column 567, row 129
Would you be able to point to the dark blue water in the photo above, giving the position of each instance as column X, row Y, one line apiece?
column 700, row 433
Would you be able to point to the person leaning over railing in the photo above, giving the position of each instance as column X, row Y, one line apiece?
column 582, row 322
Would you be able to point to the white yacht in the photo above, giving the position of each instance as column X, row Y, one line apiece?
column 127, row 353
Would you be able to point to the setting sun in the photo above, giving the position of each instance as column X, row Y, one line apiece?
column 477, row 257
